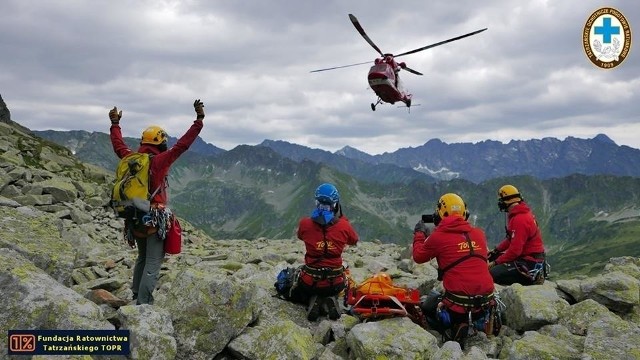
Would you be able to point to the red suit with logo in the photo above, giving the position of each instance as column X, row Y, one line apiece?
column 324, row 245
column 447, row 243
column 524, row 238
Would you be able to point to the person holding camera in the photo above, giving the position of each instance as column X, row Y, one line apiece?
column 461, row 252
column 326, row 233
column 520, row 257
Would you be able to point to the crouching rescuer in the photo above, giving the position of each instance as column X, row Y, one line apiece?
column 520, row 257
column 325, row 234
column 468, row 303
column 140, row 195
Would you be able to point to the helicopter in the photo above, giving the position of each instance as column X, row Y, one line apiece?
column 384, row 77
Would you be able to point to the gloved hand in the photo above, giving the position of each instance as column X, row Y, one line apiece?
column 493, row 254
column 115, row 116
column 492, row 264
column 421, row 226
column 199, row 107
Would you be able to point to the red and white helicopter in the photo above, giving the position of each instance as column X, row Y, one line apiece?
column 384, row 77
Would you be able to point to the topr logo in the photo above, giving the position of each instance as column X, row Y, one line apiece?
column 606, row 38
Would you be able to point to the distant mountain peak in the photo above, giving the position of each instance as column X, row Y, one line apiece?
column 267, row 142
column 346, row 150
column 434, row 141
column 604, row 138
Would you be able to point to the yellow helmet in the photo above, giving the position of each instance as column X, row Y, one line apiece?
column 153, row 135
column 507, row 195
column 451, row 204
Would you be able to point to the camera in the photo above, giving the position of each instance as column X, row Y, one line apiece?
column 427, row 218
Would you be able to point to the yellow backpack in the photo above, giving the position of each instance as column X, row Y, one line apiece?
column 130, row 194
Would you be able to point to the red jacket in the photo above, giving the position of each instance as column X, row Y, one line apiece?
column 447, row 244
column 161, row 161
column 524, row 237
column 338, row 236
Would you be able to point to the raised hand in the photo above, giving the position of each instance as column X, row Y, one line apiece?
column 115, row 116
column 199, row 108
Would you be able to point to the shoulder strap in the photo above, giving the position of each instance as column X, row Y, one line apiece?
column 469, row 256
column 160, row 187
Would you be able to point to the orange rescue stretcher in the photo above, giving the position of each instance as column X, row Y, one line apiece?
column 377, row 298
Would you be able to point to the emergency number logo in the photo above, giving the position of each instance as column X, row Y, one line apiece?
column 606, row 38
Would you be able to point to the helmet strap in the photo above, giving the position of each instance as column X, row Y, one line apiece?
column 502, row 202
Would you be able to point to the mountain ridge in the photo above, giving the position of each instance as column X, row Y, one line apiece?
column 436, row 160
column 252, row 192
column 542, row 158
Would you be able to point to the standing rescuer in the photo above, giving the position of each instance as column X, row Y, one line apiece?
column 520, row 257
column 146, row 237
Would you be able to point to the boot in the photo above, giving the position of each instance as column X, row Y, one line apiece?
column 333, row 307
column 313, row 311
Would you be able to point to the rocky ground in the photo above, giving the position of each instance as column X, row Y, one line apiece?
column 64, row 265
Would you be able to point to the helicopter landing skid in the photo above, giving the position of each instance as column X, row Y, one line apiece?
column 373, row 106
column 409, row 107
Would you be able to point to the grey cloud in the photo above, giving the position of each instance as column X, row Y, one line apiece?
column 526, row 77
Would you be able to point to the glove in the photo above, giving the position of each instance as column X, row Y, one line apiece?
column 115, row 116
column 421, row 226
column 493, row 254
column 492, row 264
column 199, row 107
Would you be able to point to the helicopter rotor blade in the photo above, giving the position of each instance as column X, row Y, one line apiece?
column 441, row 42
column 339, row 67
column 412, row 71
column 355, row 22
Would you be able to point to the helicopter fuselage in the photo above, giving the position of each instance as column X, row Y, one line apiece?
column 384, row 80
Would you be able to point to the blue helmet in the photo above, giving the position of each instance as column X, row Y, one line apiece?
column 327, row 194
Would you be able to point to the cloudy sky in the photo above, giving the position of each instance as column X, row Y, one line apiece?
column 64, row 64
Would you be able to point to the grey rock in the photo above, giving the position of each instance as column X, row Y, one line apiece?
column 34, row 200
column 534, row 345
column 531, row 307
column 151, row 331
column 10, row 191
column 396, row 338
column 31, row 299
column 8, row 202
column 281, row 340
